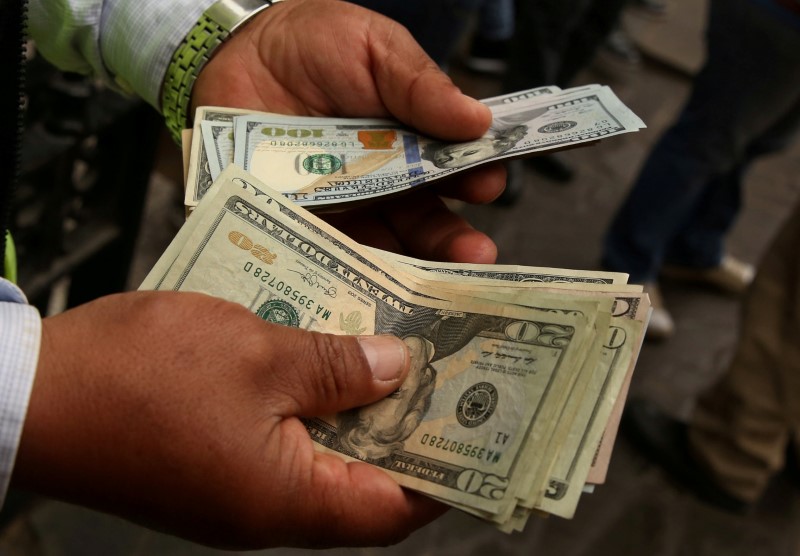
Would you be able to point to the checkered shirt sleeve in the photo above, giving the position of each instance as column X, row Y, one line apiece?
column 20, row 334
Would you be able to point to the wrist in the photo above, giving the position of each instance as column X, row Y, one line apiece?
column 218, row 23
column 48, row 424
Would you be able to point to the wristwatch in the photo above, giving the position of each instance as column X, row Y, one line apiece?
column 216, row 24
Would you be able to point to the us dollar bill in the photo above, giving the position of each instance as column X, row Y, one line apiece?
column 581, row 438
column 484, row 374
column 510, row 98
column 322, row 162
column 509, row 275
column 218, row 144
column 199, row 178
column 585, row 416
column 215, row 152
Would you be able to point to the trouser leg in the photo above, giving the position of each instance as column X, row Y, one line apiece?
column 722, row 118
column 496, row 20
column 437, row 25
column 741, row 426
column 594, row 28
column 701, row 242
column 542, row 32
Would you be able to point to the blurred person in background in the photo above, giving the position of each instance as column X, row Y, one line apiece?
column 437, row 25
column 553, row 40
column 745, row 103
column 745, row 427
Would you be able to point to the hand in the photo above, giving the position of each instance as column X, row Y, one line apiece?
column 180, row 411
column 421, row 225
column 331, row 58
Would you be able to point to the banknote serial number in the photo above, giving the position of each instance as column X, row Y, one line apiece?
column 283, row 288
column 455, row 447
column 319, row 144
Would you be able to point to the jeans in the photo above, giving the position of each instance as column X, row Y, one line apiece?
column 496, row 19
column 745, row 103
column 555, row 39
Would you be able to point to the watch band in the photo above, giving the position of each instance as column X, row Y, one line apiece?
column 216, row 24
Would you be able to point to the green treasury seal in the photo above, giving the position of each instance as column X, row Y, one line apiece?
column 557, row 127
column 279, row 312
column 322, row 164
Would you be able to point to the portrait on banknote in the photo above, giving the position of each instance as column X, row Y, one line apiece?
column 456, row 155
column 377, row 430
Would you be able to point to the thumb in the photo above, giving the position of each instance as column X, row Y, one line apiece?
column 324, row 373
column 418, row 93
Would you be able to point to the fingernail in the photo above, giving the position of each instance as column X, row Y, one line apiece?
column 386, row 356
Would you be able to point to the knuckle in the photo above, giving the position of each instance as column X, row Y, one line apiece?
column 154, row 308
column 335, row 360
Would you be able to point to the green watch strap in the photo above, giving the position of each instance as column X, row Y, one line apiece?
column 216, row 24
column 10, row 261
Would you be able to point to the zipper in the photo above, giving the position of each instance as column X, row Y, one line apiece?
column 12, row 53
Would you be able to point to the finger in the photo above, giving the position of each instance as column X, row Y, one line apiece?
column 349, row 492
column 427, row 229
column 367, row 226
column 318, row 374
column 422, row 227
column 477, row 186
column 417, row 92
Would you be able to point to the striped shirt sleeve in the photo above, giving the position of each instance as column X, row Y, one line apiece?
column 127, row 44
column 20, row 335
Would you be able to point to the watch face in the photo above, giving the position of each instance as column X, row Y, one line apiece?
column 231, row 14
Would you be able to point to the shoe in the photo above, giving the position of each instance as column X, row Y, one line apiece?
column 618, row 55
column 620, row 45
column 487, row 56
column 552, row 166
column 731, row 275
column 665, row 442
column 661, row 325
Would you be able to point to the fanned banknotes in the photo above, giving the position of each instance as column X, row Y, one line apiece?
column 583, row 426
column 514, row 369
column 329, row 162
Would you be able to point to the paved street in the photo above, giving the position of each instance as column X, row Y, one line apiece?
column 638, row 511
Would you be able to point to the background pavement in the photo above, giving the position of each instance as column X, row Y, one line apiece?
column 638, row 511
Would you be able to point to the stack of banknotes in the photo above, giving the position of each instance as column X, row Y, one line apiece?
column 518, row 377
column 328, row 162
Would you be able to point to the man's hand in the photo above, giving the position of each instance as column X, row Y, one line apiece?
column 180, row 411
column 331, row 58
column 420, row 224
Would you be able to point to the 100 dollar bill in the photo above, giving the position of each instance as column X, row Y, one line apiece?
column 327, row 161
column 205, row 140
column 331, row 161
